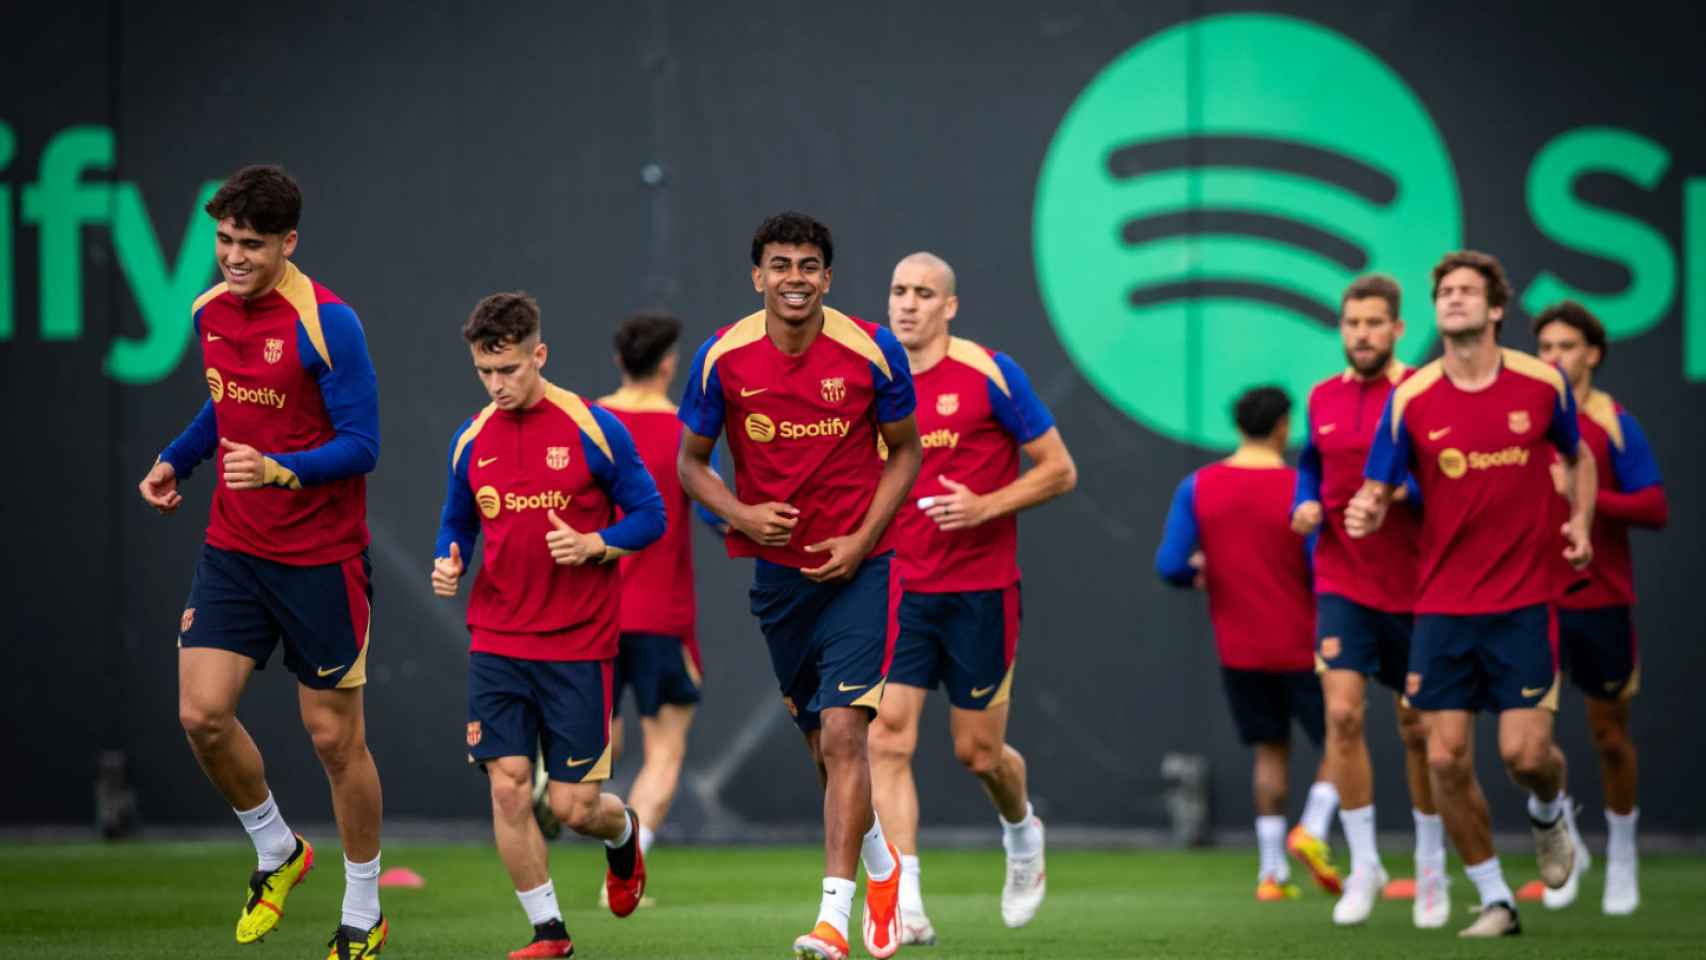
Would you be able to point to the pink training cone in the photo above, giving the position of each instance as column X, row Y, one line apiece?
column 402, row 877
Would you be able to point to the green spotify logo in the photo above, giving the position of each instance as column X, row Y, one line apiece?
column 1208, row 197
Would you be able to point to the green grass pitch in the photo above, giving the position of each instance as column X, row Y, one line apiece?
column 161, row 900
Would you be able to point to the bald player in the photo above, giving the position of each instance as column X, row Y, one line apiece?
column 959, row 608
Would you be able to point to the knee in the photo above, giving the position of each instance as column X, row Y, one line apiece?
column 512, row 797
column 892, row 743
column 1412, row 733
column 1526, row 757
column 576, row 812
column 202, row 725
column 1344, row 720
column 1611, row 740
column 1449, row 763
column 335, row 745
column 841, row 741
column 982, row 757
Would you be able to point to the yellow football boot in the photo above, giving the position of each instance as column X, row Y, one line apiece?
column 267, row 890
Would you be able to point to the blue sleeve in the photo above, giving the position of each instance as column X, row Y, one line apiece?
column 1020, row 412
column 895, row 399
column 195, row 444
column 457, row 522
column 1389, row 455
column 1564, row 432
column 350, row 392
column 625, row 480
column 701, row 407
column 1179, row 540
column 1308, row 468
column 1309, row 543
column 1633, row 463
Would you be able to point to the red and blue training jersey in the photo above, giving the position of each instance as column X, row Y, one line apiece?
column 802, row 430
column 509, row 469
column 1377, row 571
column 1631, row 494
column 1482, row 461
column 1238, row 512
column 976, row 409
column 287, row 373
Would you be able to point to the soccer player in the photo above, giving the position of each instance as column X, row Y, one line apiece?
column 659, row 651
column 806, row 393
column 1596, row 627
column 1363, row 591
column 1474, row 428
column 1227, row 532
column 295, row 413
column 541, row 473
column 958, row 548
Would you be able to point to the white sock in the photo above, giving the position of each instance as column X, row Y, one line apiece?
column 1270, row 846
column 1489, row 881
column 627, row 831
column 1359, row 833
column 1620, row 846
column 274, row 843
column 361, row 893
column 1547, row 811
column 837, row 903
column 1022, row 840
column 1430, row 840
column 647, row 836
column 874, row 850
column 911, row 885
column 540, row 903
column 1318, row 809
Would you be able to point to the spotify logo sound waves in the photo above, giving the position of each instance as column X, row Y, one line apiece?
column 1207, row 198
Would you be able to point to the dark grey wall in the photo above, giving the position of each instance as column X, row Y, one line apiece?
column 446, row 154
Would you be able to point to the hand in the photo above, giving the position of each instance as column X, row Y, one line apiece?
column 569, row 546
column 1578, row 547
column 768, row 524
column 845, row 555
column 160, row 488
column 447, row 572
column 245, row 467
column 1199, row 563
column 958, row 509
column 1365, row 512
column 1306, row 519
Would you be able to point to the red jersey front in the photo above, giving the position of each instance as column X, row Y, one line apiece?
column 802, row 429
column 1482, row 462
column 1377, row 571
column 509, row 470
column 1630, row 494
column 975, row 409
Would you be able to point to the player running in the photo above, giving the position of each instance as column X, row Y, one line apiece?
column 1363, row 591
column 1596, row 623
column 542, row 474
column 806, row 393
column 1256, row 571
column 295, row 414
column 1474, row 428
column 958, row 549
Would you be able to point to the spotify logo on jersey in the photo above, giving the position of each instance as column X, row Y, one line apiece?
column 1207, row 198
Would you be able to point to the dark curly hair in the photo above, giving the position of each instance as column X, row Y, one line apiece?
column 262, row 198
column 793, row 228
column 502, row 319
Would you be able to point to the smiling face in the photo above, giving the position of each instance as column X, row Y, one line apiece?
column 793, row 279
column 1460, row 303
column 511, row 373
column 1369, row 332
column 251, row 262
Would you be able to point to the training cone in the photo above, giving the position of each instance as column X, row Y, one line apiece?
column 1531, row 891
column 1399, row 888
column 402, row 877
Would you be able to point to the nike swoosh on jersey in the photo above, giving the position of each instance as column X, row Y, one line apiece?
column 1326, row 428
column 752, row 393
column 484, row 460
column 1436, row 434
column 214, row 336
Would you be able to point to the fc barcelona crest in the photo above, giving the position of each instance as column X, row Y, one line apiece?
column 834, row 389
column 948, row 404
column 274, row 350
column 1518, row 421
column 556, row 457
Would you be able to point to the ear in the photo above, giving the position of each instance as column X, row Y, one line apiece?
column 757, row 280
column 540, row 352
column 828, row 275
column 951, row 306
column 1496, row 314
column 1594, row 355
column 290, row 243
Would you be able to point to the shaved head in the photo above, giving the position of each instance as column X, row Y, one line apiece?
column 921, row 302
column 933, row 264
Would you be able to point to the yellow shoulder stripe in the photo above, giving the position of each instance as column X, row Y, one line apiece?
column 296, row 289
column 633, row 401
column 473, row 431
column 749, row 329
column 977, row 358
column 840, row 327
column 1410, row 389
column 207, row 297
column 1601, row 409
column 571, row 404
column 1533, row 367
column 1395, row 370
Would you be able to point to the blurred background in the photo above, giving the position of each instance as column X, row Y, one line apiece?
column 1150, row 206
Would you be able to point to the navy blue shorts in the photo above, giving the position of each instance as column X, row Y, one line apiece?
column 1484, row 661
column 519, row 708
column 964, row 641
column 1597, row 647
column 830, row 643
column 246, row 604
column 1264, row 702
column 659, row 669
column 1350, row 636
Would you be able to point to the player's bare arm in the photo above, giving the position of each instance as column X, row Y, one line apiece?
column 1582, row 485
column 768, row 524
column 900, row 470
column 1367, row 509
column 1052, row 473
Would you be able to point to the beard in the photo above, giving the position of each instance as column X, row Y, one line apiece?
column 1373, row 366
